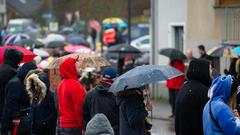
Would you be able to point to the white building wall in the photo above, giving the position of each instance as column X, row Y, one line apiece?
column 3, row 13
column 166, row 13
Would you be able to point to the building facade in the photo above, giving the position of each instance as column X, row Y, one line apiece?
column 168, row 30
column 3, row 16
column 185, row 24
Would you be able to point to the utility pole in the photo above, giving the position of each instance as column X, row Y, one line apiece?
column 129, row 22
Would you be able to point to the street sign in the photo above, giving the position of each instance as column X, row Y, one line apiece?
column 53, row 26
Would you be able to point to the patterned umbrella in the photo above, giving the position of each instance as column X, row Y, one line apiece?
column 77, row 48
column 113, row 22
column 32, row 43
column 86, row 60
column 12, row 39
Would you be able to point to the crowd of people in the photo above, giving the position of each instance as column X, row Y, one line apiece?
column 205, row 103
column 201, row 101
column 29, row 107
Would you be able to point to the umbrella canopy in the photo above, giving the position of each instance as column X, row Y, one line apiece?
column 53, row 37
column 12, row 39
column 76, row 40
column 173, row 53
column 77, row 48
column 219, row 51
column 113, row 22
column 56, row 44
column 32, row 43
column 143, row 75
column 86, row 60
column 41, row 53
column 122, row 50
column 28, row 55
column 236, row 51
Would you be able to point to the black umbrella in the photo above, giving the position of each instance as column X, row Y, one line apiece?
column 123, row 50
column 173, row 53
column 32, row 43
column 56, row 44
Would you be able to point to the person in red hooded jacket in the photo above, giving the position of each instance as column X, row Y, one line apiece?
column 175, row 84
column 71, row 95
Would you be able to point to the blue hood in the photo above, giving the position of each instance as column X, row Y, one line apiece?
column 221, row 88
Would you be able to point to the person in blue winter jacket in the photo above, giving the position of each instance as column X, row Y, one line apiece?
column 218, row 117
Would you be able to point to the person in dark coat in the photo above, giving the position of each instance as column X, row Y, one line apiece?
column 203, row 53
column 43, row 112
column 17, row 102
column 8, row 69
column 132, row 112
column 99, row 100
column 192, row 98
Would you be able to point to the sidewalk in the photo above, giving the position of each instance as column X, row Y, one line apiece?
column 162, row 125
column 161, row 110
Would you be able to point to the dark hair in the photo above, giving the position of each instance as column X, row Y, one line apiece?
column 202, row 47
column 12, row 57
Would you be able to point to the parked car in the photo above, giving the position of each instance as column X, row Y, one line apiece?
column 137, row 31
column 22, row 25
column 142, row 43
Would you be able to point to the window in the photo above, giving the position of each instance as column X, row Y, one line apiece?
column 229, row 2
column 145, row 41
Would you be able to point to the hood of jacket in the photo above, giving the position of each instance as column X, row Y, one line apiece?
column 221, row 88
column 68, row 69
column 12, row 57
column 199, row 70
column 37, row 85
column 99, row 125
column 24, row 69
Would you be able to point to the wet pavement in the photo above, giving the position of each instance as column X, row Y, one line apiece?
column 162, row 124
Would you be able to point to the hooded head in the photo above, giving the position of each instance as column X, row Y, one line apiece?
column 37, row 85
column 99, row 125
column 25, row 68
column 68, row 69
column 199, row 70
column 223, row 87
column 12, row 57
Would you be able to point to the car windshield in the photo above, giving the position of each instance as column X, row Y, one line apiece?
column 15, row 28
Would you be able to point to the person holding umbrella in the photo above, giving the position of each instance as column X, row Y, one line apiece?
column 173, row 85
column 129, row 88
column 132, row 111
